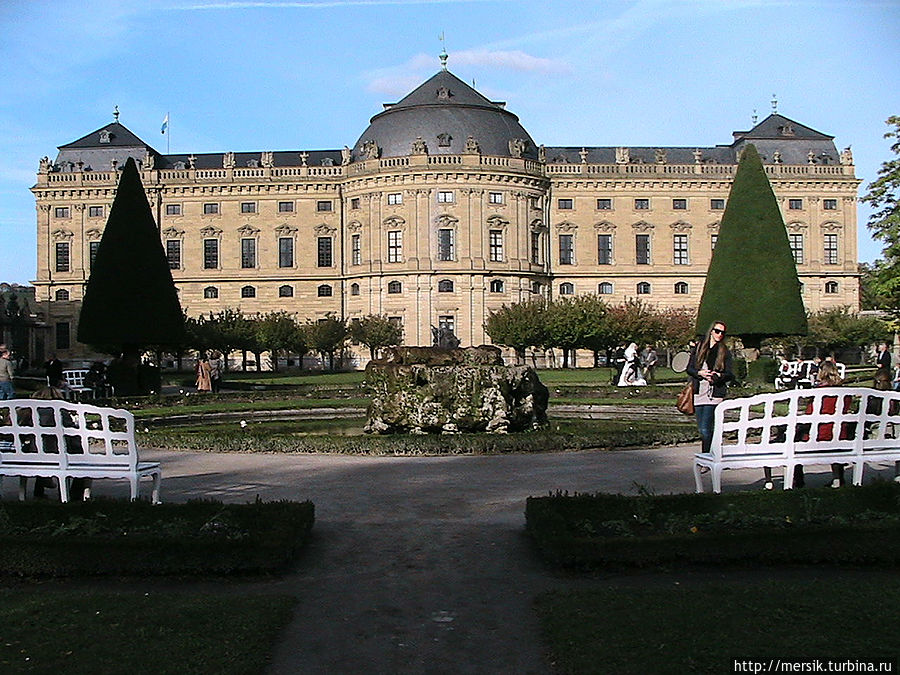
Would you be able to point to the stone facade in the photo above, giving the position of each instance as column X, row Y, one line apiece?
column 433, row 220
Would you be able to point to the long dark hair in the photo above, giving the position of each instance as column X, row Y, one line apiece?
column 703, row 348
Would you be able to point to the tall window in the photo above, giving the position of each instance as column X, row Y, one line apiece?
column 796, row 241
column 325, row 257
column 210, row 254
column 536, row 248
column 604, row 249
column 62, row 256
column 285, row 251
column 446, row 244
column 63, row 339
column 605, row 288
column 93, row 247
column 566, row 249
column 248, row 253
column 566, row 289
column 680, row 249
column 642, row 249
column 395, row 246
column 831, row 249
column 495, row 238
column 356, row 249
column 173, row 253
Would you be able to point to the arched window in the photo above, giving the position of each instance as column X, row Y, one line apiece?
column 210, row 292
column 248, row 292
column 567, row 289
column 324, row 291
column 605, row 288
column 62, row 294
column 643, row 288
column 286, row 291
column 681, row 288
column 831, row 287
column 395, row 287
column 354, row 289
column 445, row 286
column 496, row 285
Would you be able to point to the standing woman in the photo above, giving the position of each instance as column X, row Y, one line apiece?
column 710, row 370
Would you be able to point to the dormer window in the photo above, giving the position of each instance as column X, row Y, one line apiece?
column 105, row 136
column 444, row 94
column 444, row 140
column 786, row 130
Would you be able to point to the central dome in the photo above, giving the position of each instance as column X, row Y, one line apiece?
column 444, row 112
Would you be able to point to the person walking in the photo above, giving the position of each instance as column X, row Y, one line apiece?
column 883, row 367
column 7, row 372
column 204, row 381
column 649, row 359
column 711, row 371
column 215, row 371
column 53, row 369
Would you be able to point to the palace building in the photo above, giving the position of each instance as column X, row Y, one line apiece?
column 443, row 210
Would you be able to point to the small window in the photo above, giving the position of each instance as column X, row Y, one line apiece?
column 63, row 338
column 285, row 207
column 61, row 212
column 679, row 204
column 567, row 289
column 641, row 204
column 62, row 256
column 643, row 288
column 445, row 197
column 354, row 289
column 173, row 209
column 210, row 292
column 565, row 204
column 495, row 197
column 173, row 253
column 62, row 295
column 354, row 203
column 394, row 287
column 95, row 212
column 566, row 249
column 829, row 204
column 605, row 288
column 681, row 288
column 210, row 209
column 286, row 291
column 445, row 286
column 604, row 204
column 795, row 204
column 716, row 204
column 323, row 205
column 496, row 285
column 248, row 292
column 249, row 207
column 831, row 287
column 285, row 252
column 395, row 198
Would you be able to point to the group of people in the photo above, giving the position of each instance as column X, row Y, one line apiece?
column 209, row 372
column 633, row 368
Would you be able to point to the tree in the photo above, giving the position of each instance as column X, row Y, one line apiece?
column 518, row 326
column 375, row 331
column 752, row 282
column 130, row 300
column 276, row 332
column 326, row 336
column 840, row 328
column 573, row 323
column 884, row 197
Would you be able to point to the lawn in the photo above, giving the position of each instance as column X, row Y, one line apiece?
column 48, row 630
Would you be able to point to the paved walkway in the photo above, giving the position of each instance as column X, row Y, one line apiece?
column 417, row 565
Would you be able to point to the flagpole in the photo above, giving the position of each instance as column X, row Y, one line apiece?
column 168, row 134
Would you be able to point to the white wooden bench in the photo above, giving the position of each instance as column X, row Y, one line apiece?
column 73, row 384
column 791, row 428
column 66, row 440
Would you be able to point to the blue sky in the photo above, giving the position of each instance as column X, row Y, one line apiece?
column 253, row 76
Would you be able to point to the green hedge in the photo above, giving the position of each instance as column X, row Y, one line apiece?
column 859, row 525
column 103, row 537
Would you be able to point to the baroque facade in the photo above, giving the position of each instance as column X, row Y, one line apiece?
column 443, row 210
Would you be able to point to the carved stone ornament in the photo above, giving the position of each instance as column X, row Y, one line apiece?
column 95, row 233
column 44, row 166
column 394, row 222
column 444, row 94
column 228, row 160
column 267, row 159
column 776, row 158
column 698, row 156
column 517, row 147
column 178, row 166
column 324, row 229
column 44, row 208
column 623, row 155
column 714, row 226
column 303, row 157
column 681, row 226
column 445, row 220
column 105, row 136
column 419, row 147
column 832, row 226
column 661, row 156
column 497, row 222
column 566, row 226
column 542, row 154
column 345, row 156
column 192, row 161
column 248, row 231
column 285, row 230
column 327, row 161
column 172, row 232
column 149, row 160
column 370, row 150
column 810, row 157
column 472, row 146
column 605, row 226
column 61, row 235
column 537, row 225
column 210, row 231
column 847, row 156
column 642, row 226
column 355, row 226
column 796, row 226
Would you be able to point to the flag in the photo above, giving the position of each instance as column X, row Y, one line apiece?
column 165, row 124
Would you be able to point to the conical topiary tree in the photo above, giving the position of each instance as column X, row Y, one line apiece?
column 752, row 282
column 130, row 301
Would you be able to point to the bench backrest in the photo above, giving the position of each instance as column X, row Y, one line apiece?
column 75, row 378
column 805, row 421
column 64, row 434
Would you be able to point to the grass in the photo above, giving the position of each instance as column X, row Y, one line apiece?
column 703, row 628
column 95, row 632
column 196, row 405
